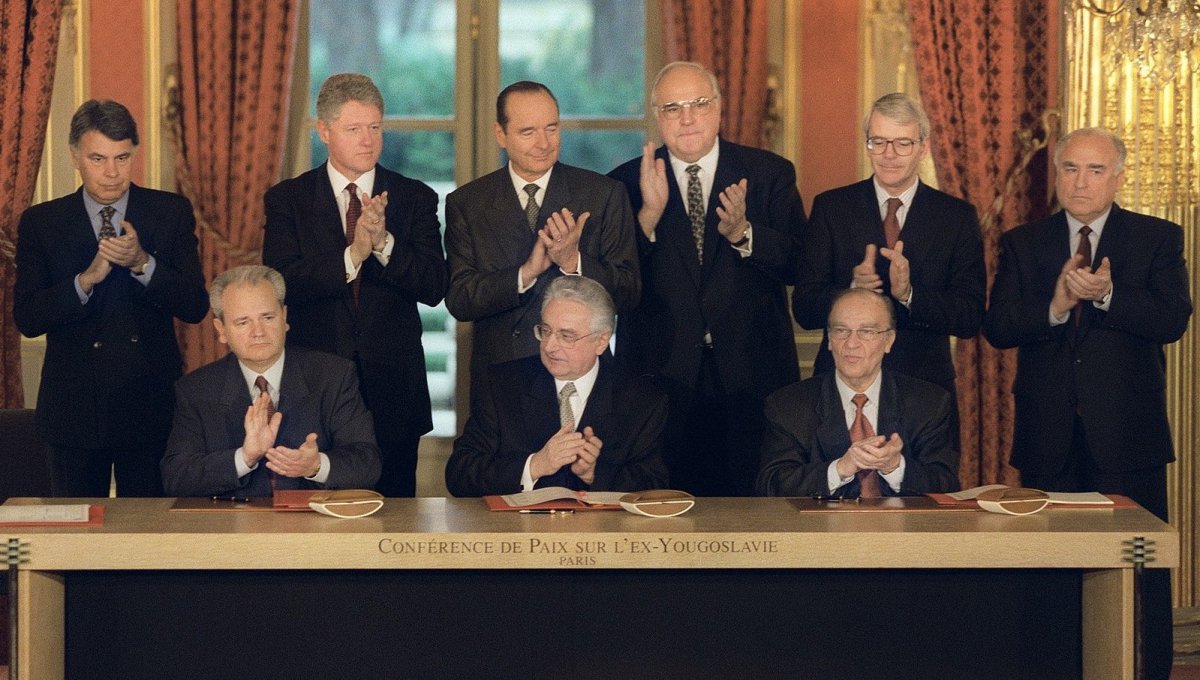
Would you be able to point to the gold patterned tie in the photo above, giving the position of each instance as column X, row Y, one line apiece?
column 868, row 480
column 566, row 417
column 531, row 206
column 695, row 198
column 891, row 223
column 107, row 230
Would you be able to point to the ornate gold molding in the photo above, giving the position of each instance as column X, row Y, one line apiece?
column 1159, row 119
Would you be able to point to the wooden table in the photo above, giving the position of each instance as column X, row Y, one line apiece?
column 757, row 536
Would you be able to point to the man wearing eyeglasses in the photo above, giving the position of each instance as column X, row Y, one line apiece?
column 566, row 417
column 861, row 430
column 718, row 228
column 895, row 235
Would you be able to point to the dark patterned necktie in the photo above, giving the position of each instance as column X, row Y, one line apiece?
column 695, row 199
column 531, row 206
column 868, row 480
column 1084, row 249
column 107, row 230
column 566, row 416
column 353, row 212
column 891, row 223
column 263, row 388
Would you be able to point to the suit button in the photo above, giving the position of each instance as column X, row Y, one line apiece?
column 97, row 344
column 516, row 333
column 133, row 338
column 1079, row 362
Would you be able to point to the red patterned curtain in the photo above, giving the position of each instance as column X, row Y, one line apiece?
column 730, row 38
column 28, row 51
column 229, row 115
column 988, row 74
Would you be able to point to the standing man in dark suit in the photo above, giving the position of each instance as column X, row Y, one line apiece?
column 1089, row 296
column 513, row 231
column 228, row 436
column 719, row 225
column 897, row 236
column 104, row 272
column 859, row 430
column 359, row 247
column 564, row 418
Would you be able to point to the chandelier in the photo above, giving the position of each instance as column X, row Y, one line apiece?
column 1159, row 37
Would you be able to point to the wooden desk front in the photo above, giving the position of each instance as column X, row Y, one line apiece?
column 734, row 536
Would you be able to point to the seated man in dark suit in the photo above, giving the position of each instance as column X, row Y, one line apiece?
column 564, row 418
column 821, row 436
column 228, row 436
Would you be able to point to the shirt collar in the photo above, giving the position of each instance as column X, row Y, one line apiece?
column 365, row 181
column 92, row 206
column 906, row 196
column 707, row 162
column 847, row 393
column 583, row 384
column 1096, row 225
column 520, row 182
column 274, row 376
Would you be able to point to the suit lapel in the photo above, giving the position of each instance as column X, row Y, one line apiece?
column 891, row 407
column 832, row 435
column 600, row 401
column 504, row 226
column 540, row 405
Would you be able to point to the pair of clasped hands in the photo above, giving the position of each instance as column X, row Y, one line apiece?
column 568, row 447
column 259, row 443
column 1076, row 281
column 557, row 243
column 652, row 180
column 124, row 251
column 370, row 232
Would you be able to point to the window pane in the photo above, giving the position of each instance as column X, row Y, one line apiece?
column 409, row 54
column 590, row 53
column 600, row 150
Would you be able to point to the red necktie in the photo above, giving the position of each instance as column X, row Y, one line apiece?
column 353, row 212
column 891, row 223
column 868, row 481
column 1084, row 249
column 263, row 388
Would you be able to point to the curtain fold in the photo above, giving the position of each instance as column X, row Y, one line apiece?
column 229, row 120
column 730, row 38
column 28, row 51
column 988, row 74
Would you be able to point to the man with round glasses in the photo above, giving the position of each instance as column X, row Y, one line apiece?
column 895, row 235
column 719, row 225
column 566, row 417
column 861, row 430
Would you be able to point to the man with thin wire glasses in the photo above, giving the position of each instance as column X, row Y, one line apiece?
column 861, row 430
column 565, row 417
column 897, row 236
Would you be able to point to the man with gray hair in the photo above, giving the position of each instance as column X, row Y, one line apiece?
column 718, row 228
column 1089, row 296
column 895, row 235
column 359, row 246
column 566, row 417
column 263, row 419
column 103, row 273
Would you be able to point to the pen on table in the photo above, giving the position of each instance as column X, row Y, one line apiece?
column 836, row 499
column 232, row 499
column 546, row 512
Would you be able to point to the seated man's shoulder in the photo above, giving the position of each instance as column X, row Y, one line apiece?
column 798, row 392
column 917, row 389
column 479, row 188
column 317, row 360
column 158, row 199
column 764, row 161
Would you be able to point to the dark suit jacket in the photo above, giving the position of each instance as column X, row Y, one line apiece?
column 318, row 393
column 741, row 301
column 807, row 431
column 304, row 240
column 943, row 244
column 110, row 364
column 518, row 413
column 488, row 239
column 1110, row 372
